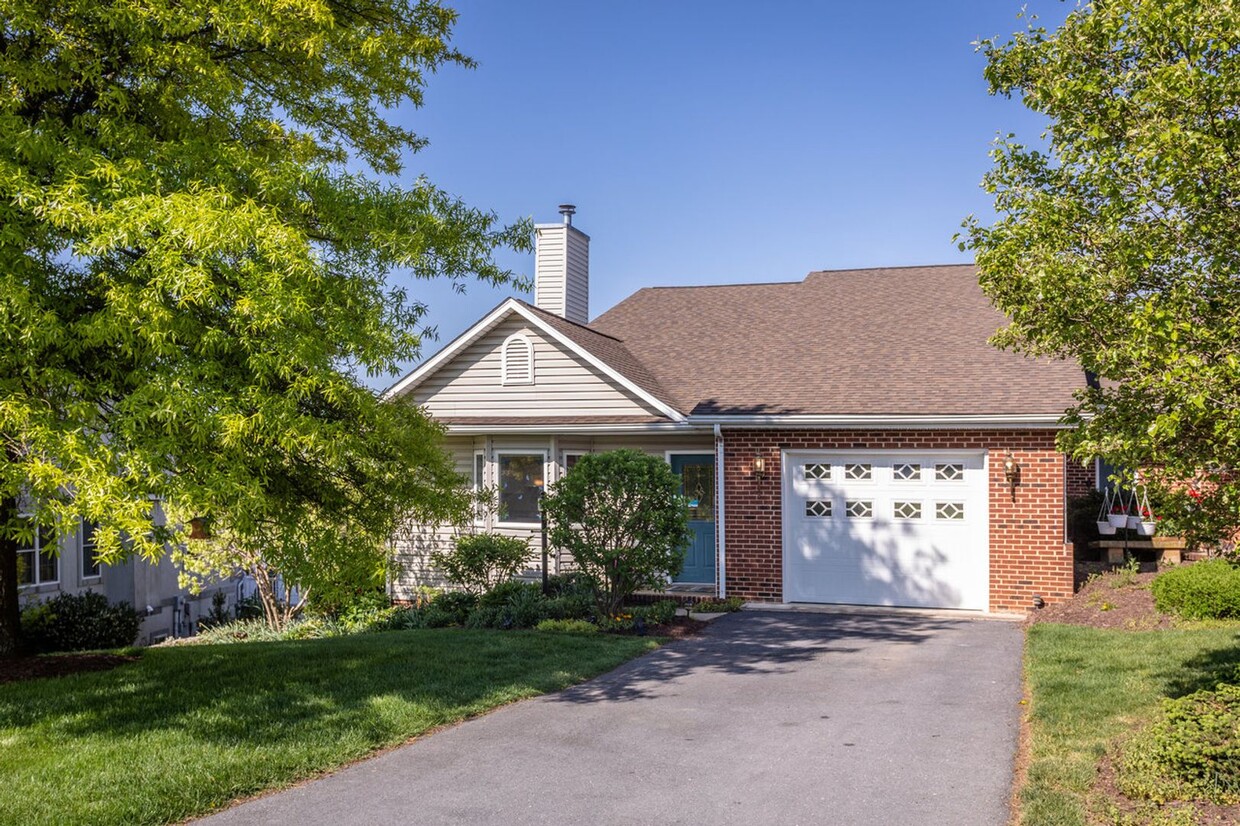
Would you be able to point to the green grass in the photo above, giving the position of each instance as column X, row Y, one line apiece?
column 187, row 729
column 1089, row 687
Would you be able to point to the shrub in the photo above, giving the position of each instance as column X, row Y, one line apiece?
column 718, row 606
column 573, row 606
column 479, row 562
column 621, row 516
column 242, row 630
column 80, row 622
column 660, row 613
column 1209, row 589
column 219, row 613
column 454, row 605
column 367, row 611
column 1192, row 751
column 511, row 604
column 249, row 608
column 567, row 626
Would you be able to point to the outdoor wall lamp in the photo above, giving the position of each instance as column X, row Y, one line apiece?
column 759, row 467
column 1011, row 473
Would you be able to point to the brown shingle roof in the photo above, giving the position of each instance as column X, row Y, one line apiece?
column 897, row 341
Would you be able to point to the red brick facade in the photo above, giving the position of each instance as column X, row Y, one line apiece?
column 1028, row 552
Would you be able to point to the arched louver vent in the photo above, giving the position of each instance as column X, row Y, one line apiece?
column 518, row 360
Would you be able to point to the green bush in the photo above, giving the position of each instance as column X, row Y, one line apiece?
column 1209, row 589
column 1192, row 751
column 79, row 622
column 479, row 562
column 367, row 611
column 622, row 517
column 718, row 606
column 570, row 606
column 567, row 626
column 511, row 604
column 455, row 605
column 660, row 613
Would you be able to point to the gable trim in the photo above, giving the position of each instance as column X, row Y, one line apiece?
column 511, row 305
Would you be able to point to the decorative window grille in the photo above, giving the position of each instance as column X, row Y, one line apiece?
column 817, row 471
column 858, row 472
column 953, row 511
column 906, row 472
column 818, row 507
column 949, row 472
column 907, row 510
column 860, row 509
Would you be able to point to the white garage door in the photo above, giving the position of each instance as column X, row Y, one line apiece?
column 880, row 528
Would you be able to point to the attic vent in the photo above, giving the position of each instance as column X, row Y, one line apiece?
column 518, row 360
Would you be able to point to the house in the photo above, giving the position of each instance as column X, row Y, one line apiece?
column 849, row 438
column 64, row 561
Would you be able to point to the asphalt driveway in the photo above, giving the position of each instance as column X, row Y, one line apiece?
column 768, row 718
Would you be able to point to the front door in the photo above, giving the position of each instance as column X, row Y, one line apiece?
column 697, row 485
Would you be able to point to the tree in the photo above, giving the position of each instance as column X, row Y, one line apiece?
column 1117, row 241
column 621, row 516
column 199, row 210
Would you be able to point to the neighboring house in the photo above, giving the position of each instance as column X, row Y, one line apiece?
column 65, row 562
column 841, row 439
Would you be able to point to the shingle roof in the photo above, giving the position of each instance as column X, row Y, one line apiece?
column 893, row 341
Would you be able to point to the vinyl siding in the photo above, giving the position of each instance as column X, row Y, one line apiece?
column 414, row 545
column 471, row 383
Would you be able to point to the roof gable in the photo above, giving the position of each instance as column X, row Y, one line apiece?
column 575, row 372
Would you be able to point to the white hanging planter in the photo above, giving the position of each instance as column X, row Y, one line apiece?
column 1105, row 528
column 1146, row 523
column 1117, row 515
column 1147, row 528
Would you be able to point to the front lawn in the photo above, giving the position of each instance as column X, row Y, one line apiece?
column 1089, row 689
column 186, row 729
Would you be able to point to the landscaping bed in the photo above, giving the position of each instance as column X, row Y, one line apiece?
column 1131, row 712
column 18, row 669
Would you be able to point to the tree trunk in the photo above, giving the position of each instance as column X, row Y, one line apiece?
column 10, row 610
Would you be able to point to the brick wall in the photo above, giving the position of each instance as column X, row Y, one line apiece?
column 1028, row 554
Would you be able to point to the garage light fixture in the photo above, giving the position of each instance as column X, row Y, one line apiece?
column 759, row 467
column 1011, row 473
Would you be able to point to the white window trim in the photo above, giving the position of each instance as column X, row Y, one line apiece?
column 499, row 494
column 522, row 339
column 81, row 543
column 36, row 568
column 577, row 453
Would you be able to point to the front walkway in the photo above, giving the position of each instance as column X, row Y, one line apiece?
column 768, row 718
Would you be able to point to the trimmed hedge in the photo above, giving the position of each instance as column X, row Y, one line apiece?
column 1209, row 589
column 79, row 622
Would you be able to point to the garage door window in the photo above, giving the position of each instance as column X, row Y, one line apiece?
column 949, row 472
column 817, row 471
column 906, row 472
column 818, row 508
column 949, row 510
column 860, row 509
column 858, row 472
column 907, row 510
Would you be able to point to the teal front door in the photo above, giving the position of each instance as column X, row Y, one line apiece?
column 697, row 485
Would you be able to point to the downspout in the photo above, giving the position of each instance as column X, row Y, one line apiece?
column 719, row 512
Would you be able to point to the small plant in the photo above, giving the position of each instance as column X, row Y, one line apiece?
column 219, row 613
column 511, row 604
column 454, row 606
column 1192, row 751
column 620, row 622
column 370, row 610
column 1209, row 589
column 567, row 626
column 662, row 612
column 479, row 562
column 718, row 606
column 1126, row 574
column 79, row 622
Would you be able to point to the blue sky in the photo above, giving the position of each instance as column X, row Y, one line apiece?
column 718, row 142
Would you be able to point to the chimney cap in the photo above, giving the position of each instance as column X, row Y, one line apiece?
column 568, row 211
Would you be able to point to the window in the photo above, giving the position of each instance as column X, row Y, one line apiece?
column 90, row 562
column 907, row 510
column 520, row 483
column 517, row 360
column 480, row 469
column 859, row 509
column 906, row 472
column 37, row 561
column 570, row 460
column 817, row 471
column 820, row 508
column 952, row 511
column 858, row 472
column 949, row 472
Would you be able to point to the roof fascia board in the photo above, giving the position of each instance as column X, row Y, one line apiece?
column 542, row 428
column 453, row 347
column 599, row 364
column 1041, row 421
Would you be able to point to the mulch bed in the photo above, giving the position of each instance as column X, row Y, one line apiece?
column 58, row 665
column 1204, row 813
column 678, row 629
column 1116, row 600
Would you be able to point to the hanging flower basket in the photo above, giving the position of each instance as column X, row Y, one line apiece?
column 1146, row 523
column 1105, row 528
column 1147, row 528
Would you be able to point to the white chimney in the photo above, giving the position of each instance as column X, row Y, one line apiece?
column 562, row 268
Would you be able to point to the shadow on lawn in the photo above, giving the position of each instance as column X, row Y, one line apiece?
column 756, row 643
column 1205, row 671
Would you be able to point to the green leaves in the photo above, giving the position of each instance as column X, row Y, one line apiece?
column 1118, row 243
column 195, row 271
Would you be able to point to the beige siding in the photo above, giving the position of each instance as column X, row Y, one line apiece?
column 414, row 545
column 470, row 384
column 562, row 272
column 577, row 275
